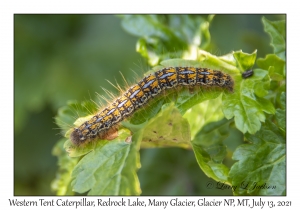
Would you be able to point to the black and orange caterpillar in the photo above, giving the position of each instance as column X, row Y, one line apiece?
column 101, row 124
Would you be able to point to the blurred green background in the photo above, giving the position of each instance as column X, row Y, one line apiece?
column 58, row 58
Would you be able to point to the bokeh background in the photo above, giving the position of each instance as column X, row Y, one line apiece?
column 58, row 58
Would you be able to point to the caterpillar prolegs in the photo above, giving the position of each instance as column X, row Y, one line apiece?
column 100, row 125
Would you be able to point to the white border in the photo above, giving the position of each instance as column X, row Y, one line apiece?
column 8, row 8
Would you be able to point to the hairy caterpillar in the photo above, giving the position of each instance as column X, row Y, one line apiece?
column 103, row 122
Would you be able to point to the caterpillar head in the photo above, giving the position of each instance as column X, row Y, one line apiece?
column 76, row 137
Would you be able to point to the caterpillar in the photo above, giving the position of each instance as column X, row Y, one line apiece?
column 105, row 121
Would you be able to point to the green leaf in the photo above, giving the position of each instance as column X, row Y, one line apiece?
column 167, row 36
column 277, row 31
column 226, row 62
column 204, row 113
column 261, row 162
column 209, row 129
column 168, row 128
column 283, row 101
column 210, row 151
column 74, row 151
column 245, row 61
column 280, row 115
column 277, row 74
column 110, row 169
column 275, row 65
column 247, row 104
column 66, row 164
